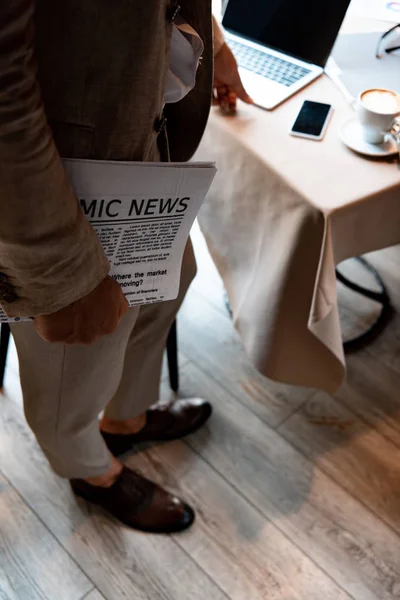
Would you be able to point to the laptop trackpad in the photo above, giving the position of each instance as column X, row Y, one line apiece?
column 265, row 93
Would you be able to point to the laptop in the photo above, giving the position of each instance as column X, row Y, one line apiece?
column 281, row 45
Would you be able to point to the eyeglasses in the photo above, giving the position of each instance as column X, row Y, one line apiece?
column 381, row 40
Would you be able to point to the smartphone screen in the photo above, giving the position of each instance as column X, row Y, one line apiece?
column 311, row 119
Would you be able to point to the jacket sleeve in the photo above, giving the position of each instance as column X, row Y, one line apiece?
column 50, row 256
column 218, row 36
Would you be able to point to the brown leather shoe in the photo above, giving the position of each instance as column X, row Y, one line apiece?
column 139, row 503
column 164, row 423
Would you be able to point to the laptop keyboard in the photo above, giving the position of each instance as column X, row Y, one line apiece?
column 267, row 65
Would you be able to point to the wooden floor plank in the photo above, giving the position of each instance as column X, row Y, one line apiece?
column 240, row 549
column 33, row 566
column 277, row 519
column 12, row 357
column 372, row 391
column 121, row 563
column 345, row 539
column 207, row 337
column 94, row 595
column 355, row 455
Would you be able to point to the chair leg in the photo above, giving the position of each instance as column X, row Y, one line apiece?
column 4, row 341
column 172, row 356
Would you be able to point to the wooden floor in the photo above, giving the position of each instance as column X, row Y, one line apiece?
column 297, row 492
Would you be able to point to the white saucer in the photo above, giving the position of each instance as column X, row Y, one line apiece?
column 351, row 135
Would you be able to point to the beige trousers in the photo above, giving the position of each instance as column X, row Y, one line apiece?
column 66, row 387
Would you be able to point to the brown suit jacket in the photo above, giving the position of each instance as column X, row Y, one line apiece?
column 80, row 79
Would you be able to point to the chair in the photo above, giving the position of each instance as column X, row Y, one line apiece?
column 172, row 354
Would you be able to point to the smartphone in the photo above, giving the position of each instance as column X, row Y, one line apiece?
column 312, row 120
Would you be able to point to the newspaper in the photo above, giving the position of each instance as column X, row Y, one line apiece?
column 142, row 213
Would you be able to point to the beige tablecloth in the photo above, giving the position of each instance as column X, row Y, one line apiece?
column 282, row 212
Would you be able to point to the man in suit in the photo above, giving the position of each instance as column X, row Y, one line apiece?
column 87, row 80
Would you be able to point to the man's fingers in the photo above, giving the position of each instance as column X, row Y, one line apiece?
column 225, row 97
column 50, row 333
column 241, row 93
column 124, row 307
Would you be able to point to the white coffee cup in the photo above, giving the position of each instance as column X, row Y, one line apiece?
column 376, row 111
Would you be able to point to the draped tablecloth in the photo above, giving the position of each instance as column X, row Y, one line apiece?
column 281, row 213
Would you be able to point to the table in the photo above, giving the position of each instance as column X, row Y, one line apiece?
column 281, row 214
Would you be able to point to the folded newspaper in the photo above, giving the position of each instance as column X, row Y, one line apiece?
column 142, row 213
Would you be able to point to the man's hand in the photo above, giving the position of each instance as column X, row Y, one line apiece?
column 87, row 319
column 227, row 83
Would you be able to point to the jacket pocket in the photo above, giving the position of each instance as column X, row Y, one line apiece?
column 73, row 140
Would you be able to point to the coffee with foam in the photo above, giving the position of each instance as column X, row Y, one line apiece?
column 379, row 101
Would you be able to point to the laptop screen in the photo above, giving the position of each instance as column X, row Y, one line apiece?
column 306, row 29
